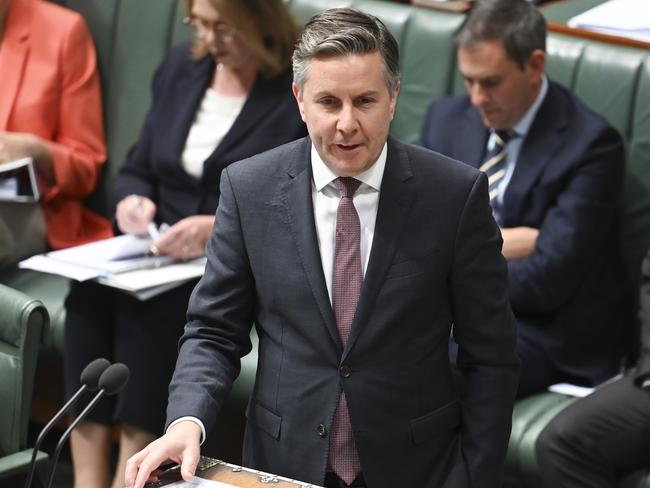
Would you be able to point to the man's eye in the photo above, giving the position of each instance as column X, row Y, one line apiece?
column 327, row 101
column 366, row 101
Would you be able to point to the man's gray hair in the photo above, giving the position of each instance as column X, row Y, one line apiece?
column 345, row 31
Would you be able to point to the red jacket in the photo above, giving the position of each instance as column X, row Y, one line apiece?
column 50, row 88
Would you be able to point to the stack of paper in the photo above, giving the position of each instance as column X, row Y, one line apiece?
column 121, row 262
column 627, row 18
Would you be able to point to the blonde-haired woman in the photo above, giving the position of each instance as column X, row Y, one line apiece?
column 222, row 98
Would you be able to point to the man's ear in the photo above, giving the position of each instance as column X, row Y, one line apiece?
column 393, row 99
column 537, row 62
column 297, row 93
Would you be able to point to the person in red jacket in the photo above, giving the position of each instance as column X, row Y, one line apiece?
column 51, row 110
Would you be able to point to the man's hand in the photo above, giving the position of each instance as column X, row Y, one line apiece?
column 134, row 213
column 180, row 444
column 518, row 242
column 186, row 239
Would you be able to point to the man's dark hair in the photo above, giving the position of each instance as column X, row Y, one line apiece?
column 344, row 31
column 518, row 24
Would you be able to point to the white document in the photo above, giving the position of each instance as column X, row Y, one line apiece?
column 146, row 278
column 88, row 261
column 571, row 390
column 199, row 483
column 627, row 18
column 581, row 391
column 120, row 262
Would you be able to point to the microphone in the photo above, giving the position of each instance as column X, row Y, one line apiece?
column 110, row 382
column 89, row 381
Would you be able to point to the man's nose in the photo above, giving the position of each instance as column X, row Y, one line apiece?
column 347, row 121
column 478, row 95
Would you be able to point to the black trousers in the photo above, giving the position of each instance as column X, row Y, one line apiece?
column 597, row 439
column 104, row 322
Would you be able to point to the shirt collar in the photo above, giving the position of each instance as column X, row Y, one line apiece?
column 523, row 126
column 323, row 175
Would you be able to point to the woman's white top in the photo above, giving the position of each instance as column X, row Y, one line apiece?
column 214, row 118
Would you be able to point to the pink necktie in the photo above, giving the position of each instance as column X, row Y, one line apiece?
column 346, row 287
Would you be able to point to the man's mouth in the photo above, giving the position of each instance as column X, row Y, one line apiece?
column 348, row 147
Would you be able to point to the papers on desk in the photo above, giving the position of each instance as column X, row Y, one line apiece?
column 200, row 483
column 120, row 262
column 626, row 18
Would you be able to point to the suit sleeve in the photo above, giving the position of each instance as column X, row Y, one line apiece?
column 220, row 317
column 78, row 149
column 574, row 231
column 484, row 328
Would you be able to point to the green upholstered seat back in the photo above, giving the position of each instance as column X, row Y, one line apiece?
column 22, row 322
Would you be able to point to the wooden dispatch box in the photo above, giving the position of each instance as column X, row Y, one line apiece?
column 217, row 470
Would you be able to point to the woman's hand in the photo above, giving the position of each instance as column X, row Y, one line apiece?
column 17, row 145
column 186, row 239
column 134, row 213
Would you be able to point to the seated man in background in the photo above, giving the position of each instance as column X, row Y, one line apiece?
column 555, row 172
column 604, row 436
column 50, row 110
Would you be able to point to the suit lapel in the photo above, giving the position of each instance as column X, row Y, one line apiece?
column 298, row 201
column 261, row 100
column 395, row 200
column 14, row 51
column 183, row 104
column 541, row 143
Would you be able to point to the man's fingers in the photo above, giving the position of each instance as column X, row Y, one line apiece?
column 147, row 467
column 132, row 466
column 190, row 460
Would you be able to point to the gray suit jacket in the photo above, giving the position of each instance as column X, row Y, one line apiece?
column 435, row 261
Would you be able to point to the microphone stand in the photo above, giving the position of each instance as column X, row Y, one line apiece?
column 66, row 434
column 46, row 429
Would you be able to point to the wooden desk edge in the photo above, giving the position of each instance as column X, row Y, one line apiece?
column 597, row 36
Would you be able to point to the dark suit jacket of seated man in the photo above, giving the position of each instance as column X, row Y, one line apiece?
column 431, row 259
column 558, row 206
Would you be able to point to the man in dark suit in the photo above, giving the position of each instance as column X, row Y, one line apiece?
column 554, row 187
column 600, row 439
column 353, row 254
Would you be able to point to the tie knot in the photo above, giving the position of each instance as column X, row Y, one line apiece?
column 502, row 136
column 347, row 185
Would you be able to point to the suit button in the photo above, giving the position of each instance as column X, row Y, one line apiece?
column 345, row 371
column 322, row 430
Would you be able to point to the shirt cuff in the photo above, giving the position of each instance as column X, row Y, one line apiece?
column 191, row 419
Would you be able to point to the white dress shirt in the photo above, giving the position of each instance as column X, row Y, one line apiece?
column 326, row 199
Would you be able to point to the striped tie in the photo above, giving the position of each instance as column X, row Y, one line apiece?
column 495, row 162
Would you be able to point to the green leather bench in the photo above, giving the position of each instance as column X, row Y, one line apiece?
column 131, row 38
